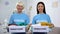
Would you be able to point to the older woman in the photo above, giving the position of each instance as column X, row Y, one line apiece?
column 19, row 18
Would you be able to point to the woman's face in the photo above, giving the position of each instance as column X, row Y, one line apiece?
column 19, row 8
column 40, row 8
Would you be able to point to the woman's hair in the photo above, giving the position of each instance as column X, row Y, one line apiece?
column 20, row 3
column 43, row 9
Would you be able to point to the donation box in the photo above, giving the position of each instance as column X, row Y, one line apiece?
column 37, row 28
column 17, row 29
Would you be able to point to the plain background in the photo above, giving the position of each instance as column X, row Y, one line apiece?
column 52, row 8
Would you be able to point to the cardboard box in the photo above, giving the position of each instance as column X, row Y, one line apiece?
column 38, row 28
column 16, row 29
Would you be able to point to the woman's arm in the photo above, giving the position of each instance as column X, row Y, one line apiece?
column 28, row 27
column 11, row 21
column 49, row 21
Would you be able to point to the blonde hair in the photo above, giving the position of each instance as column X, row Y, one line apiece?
column 20, row 3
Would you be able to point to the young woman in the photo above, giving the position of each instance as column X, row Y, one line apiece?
column 41, row 16
column 19, row 18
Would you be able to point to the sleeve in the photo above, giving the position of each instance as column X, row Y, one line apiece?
column 49, row 20
column 34, row 21
column 11, row 20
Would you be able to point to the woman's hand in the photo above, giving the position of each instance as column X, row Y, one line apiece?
column 12, row 25
column 28, row 27
column 51, row 26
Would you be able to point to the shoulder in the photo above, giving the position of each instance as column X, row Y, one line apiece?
column 24, row 14
column 13, row 14
column 47, row 15
column 36, row 16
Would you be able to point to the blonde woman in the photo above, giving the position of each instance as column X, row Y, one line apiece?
column 19, row 18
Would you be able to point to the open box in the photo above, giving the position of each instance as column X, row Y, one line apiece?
column 38, row 28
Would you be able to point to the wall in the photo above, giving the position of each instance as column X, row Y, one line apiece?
column 52, row 8
column 7, row 7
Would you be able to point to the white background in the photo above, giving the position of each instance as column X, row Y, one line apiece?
column 53, row 12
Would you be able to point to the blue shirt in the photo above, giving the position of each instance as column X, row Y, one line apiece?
column 18, row 18
column 41, row 18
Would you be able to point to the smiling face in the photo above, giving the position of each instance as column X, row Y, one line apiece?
column 40, row 8
column 19, row 8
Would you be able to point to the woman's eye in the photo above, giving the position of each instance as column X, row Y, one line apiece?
column 41, row 6
column 38, row 6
